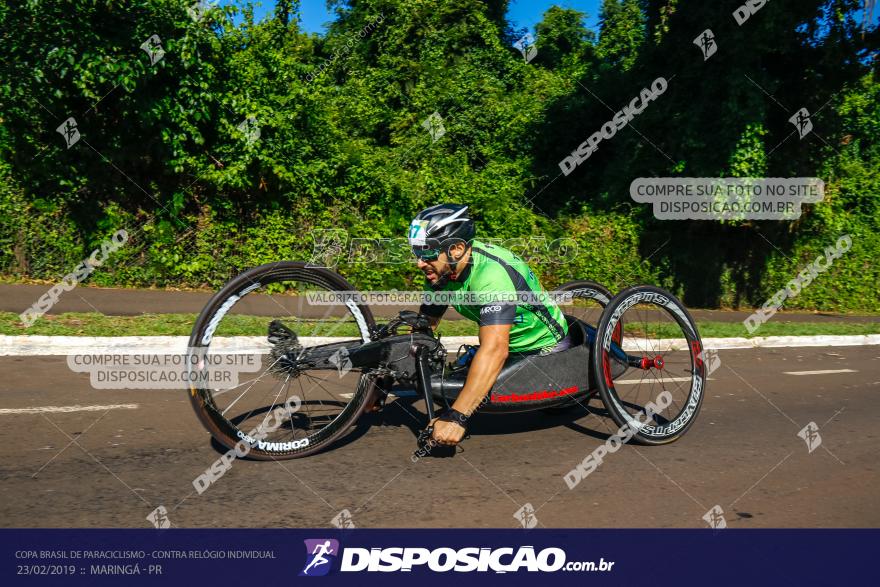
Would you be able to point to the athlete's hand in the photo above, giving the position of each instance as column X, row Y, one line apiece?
column 447, row 433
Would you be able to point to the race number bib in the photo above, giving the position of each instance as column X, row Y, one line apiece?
column 417, row 232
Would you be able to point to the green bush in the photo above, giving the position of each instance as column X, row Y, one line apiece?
column 342, row 146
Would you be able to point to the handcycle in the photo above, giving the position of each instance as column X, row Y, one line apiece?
column 336, row 362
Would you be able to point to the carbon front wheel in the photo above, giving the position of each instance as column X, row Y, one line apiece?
column 252, row 394
column 658, row 398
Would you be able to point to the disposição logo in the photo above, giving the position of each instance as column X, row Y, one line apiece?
column 320, row 554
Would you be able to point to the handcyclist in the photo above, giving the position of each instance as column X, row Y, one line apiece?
column 442, row 239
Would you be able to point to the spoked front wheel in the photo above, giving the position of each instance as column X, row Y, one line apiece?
column 251, row 392
column 658, row 398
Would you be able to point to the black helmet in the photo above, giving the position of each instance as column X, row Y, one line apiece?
column 440, row 227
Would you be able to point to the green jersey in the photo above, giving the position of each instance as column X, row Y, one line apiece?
column 497, row 287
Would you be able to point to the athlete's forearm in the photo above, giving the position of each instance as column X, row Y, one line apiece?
column 483, row 371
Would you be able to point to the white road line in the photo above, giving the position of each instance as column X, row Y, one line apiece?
column 38, row 345
column 65, row 409
column 825, row 372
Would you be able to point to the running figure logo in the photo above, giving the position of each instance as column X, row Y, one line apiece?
column 801, row 121
column 526, row 516
column 706, row 43
column 810, row 435
column 434, row 125
column 69, row 131
column 715, row 518
column 159, row 517
column 320, row 554
column 526, row 46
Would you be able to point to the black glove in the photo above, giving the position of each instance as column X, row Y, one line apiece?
column 452, row 415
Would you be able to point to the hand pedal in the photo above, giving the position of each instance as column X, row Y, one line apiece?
column 424, row 438
column 427, row 446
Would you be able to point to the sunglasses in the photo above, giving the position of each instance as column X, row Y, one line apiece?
column 426, row 254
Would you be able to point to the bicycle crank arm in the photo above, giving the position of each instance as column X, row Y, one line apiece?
column 423, row 378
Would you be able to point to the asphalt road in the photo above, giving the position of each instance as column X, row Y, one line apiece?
column 112, row 466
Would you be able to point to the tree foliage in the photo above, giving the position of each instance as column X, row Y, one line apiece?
column 245, row 137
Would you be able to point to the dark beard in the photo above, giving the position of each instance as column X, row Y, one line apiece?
column 441, row 281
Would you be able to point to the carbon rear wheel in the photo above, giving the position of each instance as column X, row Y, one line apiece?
column 587, row 300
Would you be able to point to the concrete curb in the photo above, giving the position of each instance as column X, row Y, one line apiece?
column 21, row 346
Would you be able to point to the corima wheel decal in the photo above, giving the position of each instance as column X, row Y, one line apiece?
column 359, row 318
column 222, row 310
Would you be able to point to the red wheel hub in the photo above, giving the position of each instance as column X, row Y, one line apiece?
column 657, row 363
